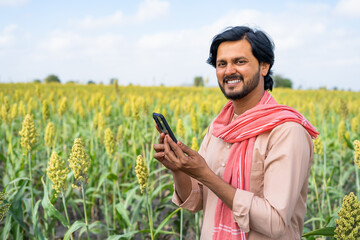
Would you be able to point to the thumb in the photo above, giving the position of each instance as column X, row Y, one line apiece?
column 185, row 149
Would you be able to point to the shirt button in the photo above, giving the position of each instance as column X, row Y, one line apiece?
column 228, row 146
column 223, row 164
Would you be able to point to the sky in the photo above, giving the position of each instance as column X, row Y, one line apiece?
column 153, row 42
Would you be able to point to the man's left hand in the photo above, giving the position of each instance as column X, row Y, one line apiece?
column 185, row 159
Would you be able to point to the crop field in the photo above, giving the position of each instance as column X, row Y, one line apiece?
column 72, row 157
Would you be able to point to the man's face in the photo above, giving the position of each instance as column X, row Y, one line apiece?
column 237, row 70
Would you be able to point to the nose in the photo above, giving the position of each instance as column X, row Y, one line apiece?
column 229, row 69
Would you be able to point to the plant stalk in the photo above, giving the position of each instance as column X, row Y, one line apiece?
column 65, row 209
column 85, row 212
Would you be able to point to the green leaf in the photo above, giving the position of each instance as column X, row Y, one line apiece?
column 50, row 209
column 96, row 227
column 37, row 232
column 75, row 226
column 123, row 213
column 16, row 207
column 326, row 231
column 126, row 235
column 6, row 230
column 112, row 177
column 349, row 143
column 2, row 158
column 162, row 224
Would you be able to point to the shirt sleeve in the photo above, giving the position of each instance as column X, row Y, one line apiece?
column 194, row 202
column 286, row 169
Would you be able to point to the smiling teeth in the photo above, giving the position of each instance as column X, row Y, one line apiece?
column 233, row 81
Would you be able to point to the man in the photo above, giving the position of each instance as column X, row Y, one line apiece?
column 250, row 175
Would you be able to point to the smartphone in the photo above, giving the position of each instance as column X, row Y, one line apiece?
column 163, row 125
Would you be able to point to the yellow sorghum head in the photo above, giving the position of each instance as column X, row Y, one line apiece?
column 95, row 121
column 28, row 133
column 79, row 161
column 194, row 145
column 4, row 114
column 22, row 110
column 29, row 105
column 102, row 104
column 49, row 134
column 100, row 125
column 81, row 110
column 119, row 134
column 180, row 130
column 194, row 124
column 57, row 172
column 177, row 111
column 348, row 224
column 109, row 142
column 13, row 113
column 63, row 106
column 344, row 111
column 341, row 131
column 6, row 104
column 318, row 146
column 355, row 125
column 108, row 110
column 135, row 109
column 4, row 206
column 142, row 172
column 45, row 110
column 357, row 152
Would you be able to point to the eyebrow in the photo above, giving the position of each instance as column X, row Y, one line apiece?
column 234, row 59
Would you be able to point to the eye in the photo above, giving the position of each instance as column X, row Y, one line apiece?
column 221, row 64
column 240, row 61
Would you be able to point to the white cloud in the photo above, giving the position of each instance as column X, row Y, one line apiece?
column 90, row 22
column 13, row 3
column 147, row 10
column 152, row 9
column 7, row 35
column 349, row 8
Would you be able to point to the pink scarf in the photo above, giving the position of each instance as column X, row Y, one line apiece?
column 265, row 116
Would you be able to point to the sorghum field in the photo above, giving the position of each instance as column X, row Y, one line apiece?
column 76, row 160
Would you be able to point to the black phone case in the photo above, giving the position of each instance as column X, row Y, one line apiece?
column 164, row 128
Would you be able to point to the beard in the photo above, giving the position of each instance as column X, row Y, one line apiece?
column 248, row 86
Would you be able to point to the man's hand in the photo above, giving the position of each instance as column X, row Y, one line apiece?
column 182, row 158
column 160, row 153
column 181, row 180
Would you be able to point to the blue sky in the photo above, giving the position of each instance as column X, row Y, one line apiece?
column 149, row 42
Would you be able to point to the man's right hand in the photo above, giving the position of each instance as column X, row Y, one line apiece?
column 160, row 152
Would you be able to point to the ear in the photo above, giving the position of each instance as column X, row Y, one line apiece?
column 264, row 68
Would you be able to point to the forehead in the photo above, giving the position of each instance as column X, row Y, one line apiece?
column 234, row 49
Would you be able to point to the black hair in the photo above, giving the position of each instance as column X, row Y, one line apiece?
column 262, row 47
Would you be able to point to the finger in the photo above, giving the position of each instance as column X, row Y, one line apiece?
column 174, row 147
column 168, row 150
column 159, row 147
column 159, row 156
column 161, row 138
column 157, row 128
column 185, row 148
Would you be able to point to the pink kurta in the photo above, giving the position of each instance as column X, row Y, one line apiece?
column 275, row 206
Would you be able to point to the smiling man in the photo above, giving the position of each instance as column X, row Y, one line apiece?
column 250, row 175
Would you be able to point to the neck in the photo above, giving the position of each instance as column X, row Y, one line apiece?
column 247, row 102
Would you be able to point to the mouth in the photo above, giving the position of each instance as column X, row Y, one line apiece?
column 233, row 81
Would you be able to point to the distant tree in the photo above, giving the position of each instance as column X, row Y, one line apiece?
column 37, row 81
column 52, row 78
column 112, row 80
column 198, row 81
column 282, row 82
column 70, row 81
column 91, row 82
